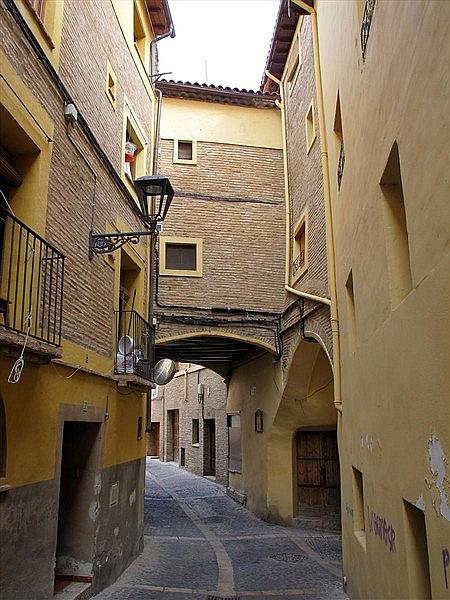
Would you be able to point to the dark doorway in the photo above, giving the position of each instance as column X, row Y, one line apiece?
column 153, row 440
column 77, row 502
column 209, row 447
column 318, row 476
column 173, row 435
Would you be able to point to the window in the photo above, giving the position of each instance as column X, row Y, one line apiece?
column 339, row 139
column 351, row 313
column 417, row 552
column 359, row 524
column 134, row 147
column 39, row 8
column 181, row 256
column 310, row 127
column 140, row 39
column 195, row 432
column 185, row 152
column 111, row 85
column 294, row 64
column 300, row 253
column 396, row 229
column 365, row 25
column 234, row 443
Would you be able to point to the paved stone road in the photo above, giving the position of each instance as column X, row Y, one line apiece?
column 200, row 544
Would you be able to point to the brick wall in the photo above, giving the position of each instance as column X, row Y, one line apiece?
column 306, row 184
column 233, row 200
column 80, row 186
column 178, row 395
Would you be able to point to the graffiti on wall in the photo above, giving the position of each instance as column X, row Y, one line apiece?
column 382, row 529
column 446, row 563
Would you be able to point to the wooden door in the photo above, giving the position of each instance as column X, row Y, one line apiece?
column 318, row 469
column 153, row 440
column 175, row 434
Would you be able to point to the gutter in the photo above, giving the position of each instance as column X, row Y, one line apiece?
column 328, row 210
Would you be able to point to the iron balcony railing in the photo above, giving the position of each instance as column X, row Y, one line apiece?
column 135, row 344
column 299, row 262
column 31, row 281
column 341, row 163
column 365, row 25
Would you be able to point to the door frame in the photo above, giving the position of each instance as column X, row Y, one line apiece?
column 77, row 413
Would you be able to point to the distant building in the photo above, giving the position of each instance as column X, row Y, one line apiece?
column 189, row 422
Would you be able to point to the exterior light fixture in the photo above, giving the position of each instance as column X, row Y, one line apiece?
column 155, row 194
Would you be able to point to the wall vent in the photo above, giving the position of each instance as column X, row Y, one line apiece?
column 114, row 494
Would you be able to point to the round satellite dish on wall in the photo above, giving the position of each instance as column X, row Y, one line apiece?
column 164, row 371
column 126, row 345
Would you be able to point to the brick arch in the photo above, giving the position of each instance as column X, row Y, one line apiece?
column 222, row 334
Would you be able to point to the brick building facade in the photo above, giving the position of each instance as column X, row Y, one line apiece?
column 72, row 452
column 198, row 395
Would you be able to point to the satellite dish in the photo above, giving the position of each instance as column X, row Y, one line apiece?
column 164, row 371
column 126, row 345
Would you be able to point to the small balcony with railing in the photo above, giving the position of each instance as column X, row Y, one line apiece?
column 31, row 291
column 134, row 354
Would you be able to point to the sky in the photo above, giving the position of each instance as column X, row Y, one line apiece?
column 220, row 42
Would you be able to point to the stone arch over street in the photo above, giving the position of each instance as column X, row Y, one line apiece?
column 305, row 413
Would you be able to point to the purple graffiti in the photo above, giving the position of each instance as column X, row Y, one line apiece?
column 382, row 529
column 446, row 563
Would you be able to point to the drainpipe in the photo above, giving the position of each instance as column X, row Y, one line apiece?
column 328, row 211
column 282, row 106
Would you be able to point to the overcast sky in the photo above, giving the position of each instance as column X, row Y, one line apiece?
column 221, row 42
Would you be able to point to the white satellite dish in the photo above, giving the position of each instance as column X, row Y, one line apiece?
column 164, row 371
column 126, row 345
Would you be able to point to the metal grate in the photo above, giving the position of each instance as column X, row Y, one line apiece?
column 31, row 281
column 365, row 25
column 341, row 163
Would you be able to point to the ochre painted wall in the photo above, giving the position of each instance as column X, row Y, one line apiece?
column 220, row 123
column 395, row 378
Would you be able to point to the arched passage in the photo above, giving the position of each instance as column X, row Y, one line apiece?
column 302, row 428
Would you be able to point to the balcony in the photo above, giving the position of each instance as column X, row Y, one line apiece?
column 298, row 263
column 31, row 288
column 134, row 349
column 365, row 25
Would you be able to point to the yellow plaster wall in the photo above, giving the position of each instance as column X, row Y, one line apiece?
column 32, row 418
column 220, row 123
column 395, row 384
column 30, row 199
column 303, row 399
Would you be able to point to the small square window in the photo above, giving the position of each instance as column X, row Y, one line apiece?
column 111, row 85
column 185, row 152
column 310, row 124
column 181, row 256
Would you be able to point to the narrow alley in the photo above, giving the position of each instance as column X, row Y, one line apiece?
column 201, row 544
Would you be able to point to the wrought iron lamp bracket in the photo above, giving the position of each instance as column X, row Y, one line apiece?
column 104, row 243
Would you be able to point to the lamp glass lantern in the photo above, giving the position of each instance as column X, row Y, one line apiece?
column 155, row 194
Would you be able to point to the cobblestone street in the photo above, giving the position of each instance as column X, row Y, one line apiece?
column 200, row 544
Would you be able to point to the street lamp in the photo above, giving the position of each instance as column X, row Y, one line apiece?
column 155, row 194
